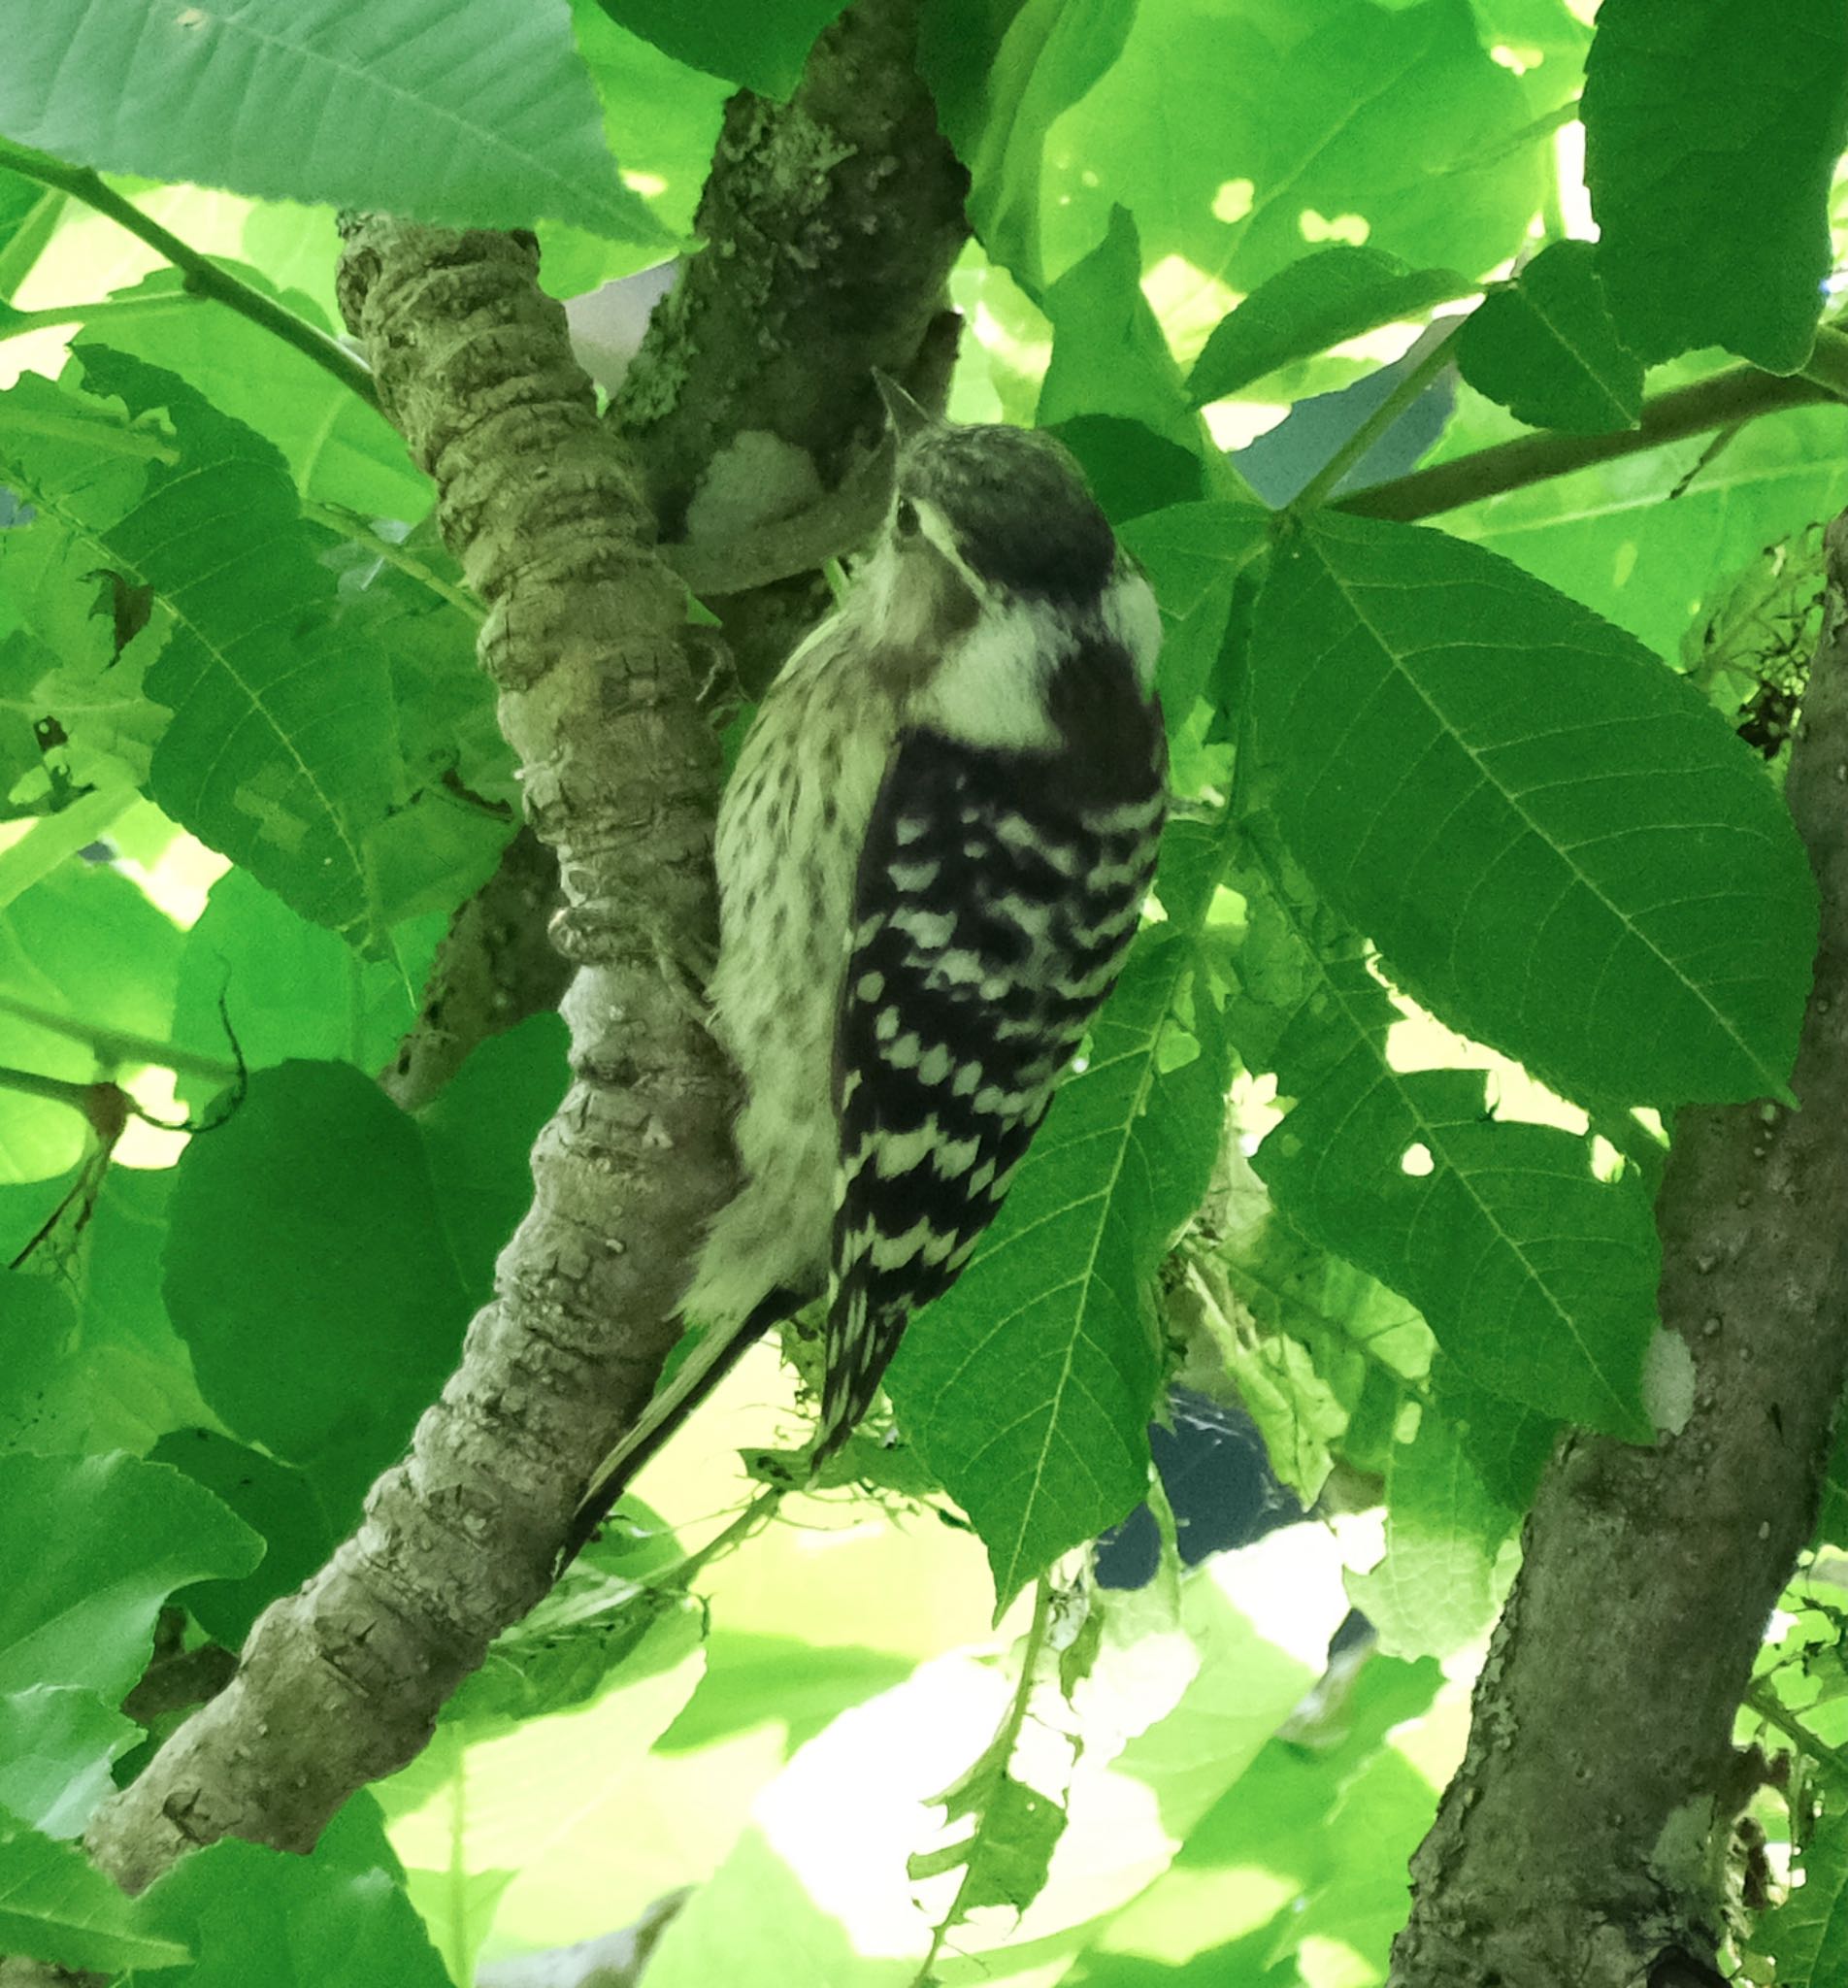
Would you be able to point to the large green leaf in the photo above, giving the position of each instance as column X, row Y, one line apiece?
column 72, row 713
column 361, row 1238
column 339, row 449
column 277, row 1501
column 83, row 946
column 279, row 745
column 1557, row 844
column 1536, row 1277
column 1001, row 71
column 1172, row 1714
column 1029, row 1385
column 1545, row 347
column 56, row 1745
column 762, row 47
column 1436, row 1591
column 56, row 1906
column 290, row 990
column 461, row 110
column 1108, row 355
column 1643, row 540
column 1808, row 1931
column 1239, row 133
column 253, row 1914
column 1336, row 293
column 662, row 120
column 1711, row 136
column 1274, row 1820
column 93, row 1546
column 294, row 744
column 87, row 1359
column 1194, row 555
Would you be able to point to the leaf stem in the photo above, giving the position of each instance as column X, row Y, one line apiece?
column 61, row 1090
column 1002, row 1748
column 348, row 524
column 1725, row 400
column 121, row 1045
column 759, row 1511
column 1383, row 417
column 17, row 323
column 204, row 277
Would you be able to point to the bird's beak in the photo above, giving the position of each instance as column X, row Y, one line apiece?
column 908, row 419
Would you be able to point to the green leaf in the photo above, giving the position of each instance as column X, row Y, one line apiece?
column 1274, row 1819
column 1001, row 71
column 1108, row 355
column 1545, row 347
column 759, row 47
column 291, row 990
column 1475, row 772
column 86, row 947
column 96, row 1545
column 362, row 1241
column 118, row 1377
column 253, row 1914
column 1194, row 555
column 1382, row 1814
column 804, row 1684
column 277, row 1501
column 339, row 450
column 311, row 1208
column 56, row 1906
column 279, row 750
column 1029, row 1385
column 1538, row 1278
column 1808, row 1932
column 1507, row 1446
column 1009, row 1852
column 662, row 120
column 1237, row 133
column 1436, row 1591
column 456, row 110
column 1711, row 136
column 56, row 1745
column 80, row 718
column 1311, row 304
column 502, row 1789
column 1171, row 1715
column 1640, row 541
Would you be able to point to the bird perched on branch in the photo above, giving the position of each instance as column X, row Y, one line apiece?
column 931, row 859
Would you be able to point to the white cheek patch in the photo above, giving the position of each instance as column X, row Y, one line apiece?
column 990, row 688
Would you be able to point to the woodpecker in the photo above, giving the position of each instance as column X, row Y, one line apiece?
column 931, row 859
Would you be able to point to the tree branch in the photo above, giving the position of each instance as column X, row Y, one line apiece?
column 1741, row 394
column 830, row 224
column 1583, row 1839
column 342, row 1681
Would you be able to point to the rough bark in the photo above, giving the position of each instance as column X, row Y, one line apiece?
column 1583, row 1839
column 830, row 224
column 342, row 1681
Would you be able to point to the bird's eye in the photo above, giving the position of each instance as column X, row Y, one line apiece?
column 906, row 519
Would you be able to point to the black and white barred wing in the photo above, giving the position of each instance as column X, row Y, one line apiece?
column 991, row 917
